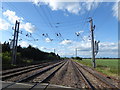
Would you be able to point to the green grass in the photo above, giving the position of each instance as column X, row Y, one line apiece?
column 106, row 66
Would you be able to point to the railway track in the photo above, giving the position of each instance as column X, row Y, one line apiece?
column 70, row 75
column 84, row 79
column 94, row 79
column 4, row 72
column 48, row 76
column 17, row 71
column 58, row 65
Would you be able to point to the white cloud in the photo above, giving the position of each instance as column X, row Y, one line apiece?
column 42, row 48
column 72, row 7
column 79, row 32
column 106, row 49
column 65, row 14
column 91, row 4
column 28, row 27
column 36, row 2
column 76, row 7
column 48, row 40
column 115, row 8
column 4, row 25
column 24, row 44
column 108, row 46
column 12, row 17
column 83, row 48
column 65, row 42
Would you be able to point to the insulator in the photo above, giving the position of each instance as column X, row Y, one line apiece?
column 97, row 46
column 98, row 41
column 20, row 39
column 36, row 39
column 46, row 35
column 21, row 32
column 51, row 39
column 57, row 35
column 94, row 27
column 12, row 28
column 60, row 34
column 26, row 34
column 77, row 33
column 10, row 39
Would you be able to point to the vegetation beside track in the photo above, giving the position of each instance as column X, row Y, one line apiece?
column 106, row 66
column 25, row 56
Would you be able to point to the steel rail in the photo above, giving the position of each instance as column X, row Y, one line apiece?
column 100, row 78
column 18, row 69
column 84, row 77
column 33, row 75
column 20, row 72
column 23, row 68
column 50, row 75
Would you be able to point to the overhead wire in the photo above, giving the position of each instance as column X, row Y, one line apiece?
column 105, row 17
column 87, row 15
column 50, row 21
column 24, row 19
column 32, row 33
column 96, row 9
column 40, row 14
column 48, row 24
column 14, row 8
column 53, row 26
column 85, row 18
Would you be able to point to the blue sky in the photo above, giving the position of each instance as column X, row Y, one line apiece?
column 59, row 22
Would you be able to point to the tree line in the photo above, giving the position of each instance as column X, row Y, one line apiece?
column 25, row 55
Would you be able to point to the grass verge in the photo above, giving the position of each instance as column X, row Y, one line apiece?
column 106, row 66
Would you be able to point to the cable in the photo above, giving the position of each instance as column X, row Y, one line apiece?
column 13, row 7
column 21, row 14
column 41, row 16
column 96, row 9
column 47, row 18
column 22, row 36
column 54, row 28
column 88, row 14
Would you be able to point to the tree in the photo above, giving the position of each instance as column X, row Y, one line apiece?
column 5, row 47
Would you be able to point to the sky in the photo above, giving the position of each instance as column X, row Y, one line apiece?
column 50, row 25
